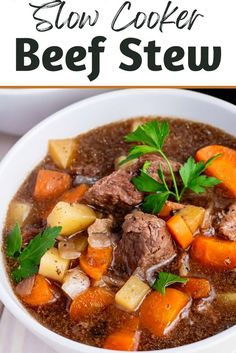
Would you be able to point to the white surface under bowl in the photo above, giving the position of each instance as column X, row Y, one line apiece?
column 21, row 109
column 81, row 117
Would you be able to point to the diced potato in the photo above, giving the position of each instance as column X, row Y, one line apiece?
column 53, row 266
column 193, row 216
column 71, row 249
column 18, row 212
column 228, row 298
column 62, row 152
column 125, row 165
column 131, row 295
column 136, row 123
column 71, row 217
column 75, row 282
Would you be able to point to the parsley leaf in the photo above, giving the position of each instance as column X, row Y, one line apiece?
column 146, row 166
column 151, row 137
column 29, row 259
column 166, row 279
column 137, row 151
column 14, row 242
column 146, row 183
column 190, row 175
column 152, row 133
column 155, row 202
column 199, row 184
column 39, row 245
column 24, row 270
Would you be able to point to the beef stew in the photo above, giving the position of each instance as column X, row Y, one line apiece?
column 128, row 256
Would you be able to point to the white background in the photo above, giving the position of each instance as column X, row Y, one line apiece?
column 217, row 28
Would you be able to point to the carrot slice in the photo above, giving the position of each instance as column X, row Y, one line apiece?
column 50, row 184
column 125, row 339
column 180, row 231
column 42, row 292
column 168, row 208
column 96, row 261
column 159, row 311
column 197, row 288
column 90, row 302
column 214, row 252
column 71, row 196
column 75, row 194
column 133, row 324
column 223, row 168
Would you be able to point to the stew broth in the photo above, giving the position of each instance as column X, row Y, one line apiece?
column 96, row 152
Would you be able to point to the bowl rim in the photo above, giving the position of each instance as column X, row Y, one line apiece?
column 26, row 318
column 15, row 91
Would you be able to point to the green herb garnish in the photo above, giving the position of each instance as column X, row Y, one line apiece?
column 166, row 279
column 14, row 242
column 24, row 270
column 29, row 258
column 191, row 176
column 152, row 136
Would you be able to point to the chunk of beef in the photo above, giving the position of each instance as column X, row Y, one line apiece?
column 99, row 233
column 227, row 226
column 116, row 190
column 156, row 162
column 145, row 242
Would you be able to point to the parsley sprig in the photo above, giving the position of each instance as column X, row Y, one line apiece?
column 191, row 176
column 29, row 258
column 166, row 279
column 151, row 137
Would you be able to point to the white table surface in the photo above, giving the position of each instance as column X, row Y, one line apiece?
column 14, row 338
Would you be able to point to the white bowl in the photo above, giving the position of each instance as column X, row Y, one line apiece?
column 21, row 109
column 80, row 117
